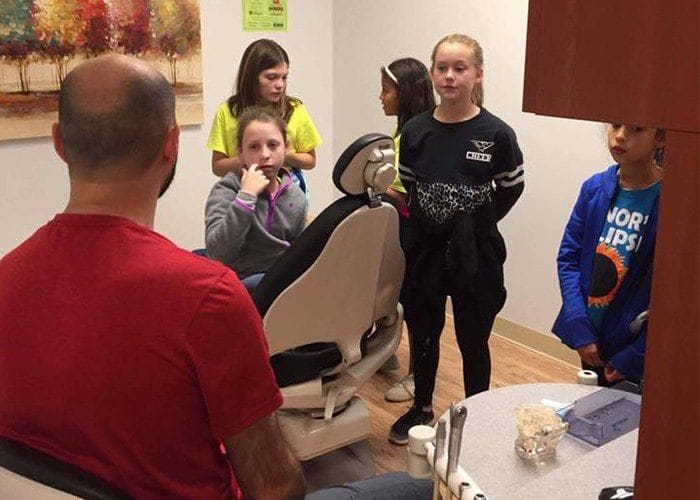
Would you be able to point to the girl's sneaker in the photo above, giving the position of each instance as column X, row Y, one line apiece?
column 414, row 416
column 402, row 390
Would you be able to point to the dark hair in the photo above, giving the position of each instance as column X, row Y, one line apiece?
column 415, row 89
column 133, row 129
column 258, row 114
column 659, row 156
column 660, row 153
column 258, row 56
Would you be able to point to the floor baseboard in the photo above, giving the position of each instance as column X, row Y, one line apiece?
column 537, row 341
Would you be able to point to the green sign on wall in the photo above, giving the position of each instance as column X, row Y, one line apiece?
column 265, row 15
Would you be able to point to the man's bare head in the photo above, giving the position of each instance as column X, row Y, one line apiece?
column 114, row 110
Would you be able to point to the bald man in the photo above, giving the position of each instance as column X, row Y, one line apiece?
column 119, row 352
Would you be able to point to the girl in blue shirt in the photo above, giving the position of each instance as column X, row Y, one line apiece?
column 606, row 256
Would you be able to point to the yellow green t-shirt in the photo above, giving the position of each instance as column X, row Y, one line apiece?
column 302, row 135
column 396, row 185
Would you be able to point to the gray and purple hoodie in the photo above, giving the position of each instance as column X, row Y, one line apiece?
column 249, row 233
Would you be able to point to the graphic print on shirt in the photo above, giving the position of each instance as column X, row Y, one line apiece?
column 618, row 243
column 480, row 153
column 610, row 270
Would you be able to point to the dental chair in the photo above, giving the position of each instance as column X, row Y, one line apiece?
column 330, row 305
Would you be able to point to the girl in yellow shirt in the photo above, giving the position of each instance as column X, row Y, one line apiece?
column 406, row 92
column 262, row 81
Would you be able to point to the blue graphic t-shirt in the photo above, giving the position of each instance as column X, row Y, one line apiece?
column 618, row 243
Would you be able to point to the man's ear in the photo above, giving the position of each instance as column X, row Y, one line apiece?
column 58, row 142
column 171, row 145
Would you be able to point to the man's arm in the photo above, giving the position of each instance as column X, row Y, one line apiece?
column 263, row 464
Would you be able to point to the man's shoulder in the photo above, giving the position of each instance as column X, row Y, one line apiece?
column 146, row 253
column 123, row 253
column 178, row 276
column 163, row 256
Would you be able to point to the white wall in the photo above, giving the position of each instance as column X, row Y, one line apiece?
column 336, row 49
column 559, row 154
column 34, row 183
column 308, row 41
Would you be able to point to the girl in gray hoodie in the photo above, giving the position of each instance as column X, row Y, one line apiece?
column 252, row 216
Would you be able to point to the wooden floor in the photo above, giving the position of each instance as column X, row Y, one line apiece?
column 511, row 364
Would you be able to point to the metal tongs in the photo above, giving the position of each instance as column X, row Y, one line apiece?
column 458, row 415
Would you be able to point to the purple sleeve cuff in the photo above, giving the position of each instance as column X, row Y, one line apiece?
column 248, row 205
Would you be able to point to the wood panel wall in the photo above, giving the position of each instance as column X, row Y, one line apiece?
column 639, row 62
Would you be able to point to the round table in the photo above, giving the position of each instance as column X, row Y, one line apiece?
column 578, row 471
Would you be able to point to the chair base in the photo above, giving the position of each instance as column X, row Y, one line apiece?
column 308, row 437
column 345, row 465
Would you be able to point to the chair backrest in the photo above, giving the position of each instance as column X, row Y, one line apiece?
column 344, row 272
column 26, row 473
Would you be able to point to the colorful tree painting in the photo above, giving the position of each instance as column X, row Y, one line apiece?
column 176, row 33
column 96, row 34
column 132, row 25
column 42, row 39
column 17, row 37
column 58, row 27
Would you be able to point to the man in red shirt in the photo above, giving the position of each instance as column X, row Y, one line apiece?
column 119, row 352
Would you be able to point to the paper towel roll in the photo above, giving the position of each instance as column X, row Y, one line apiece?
column 418, row 435
column 418, row 466
column 587, row 377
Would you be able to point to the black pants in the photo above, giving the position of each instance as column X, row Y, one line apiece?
column 476, row 299
column 625, row 384
column 598, row 370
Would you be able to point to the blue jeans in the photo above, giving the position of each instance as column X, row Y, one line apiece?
column 391, row 486
column 250, row 282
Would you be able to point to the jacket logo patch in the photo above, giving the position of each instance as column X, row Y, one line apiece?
column 480, row 155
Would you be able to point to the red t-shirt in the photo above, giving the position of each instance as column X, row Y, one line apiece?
column 129, row 357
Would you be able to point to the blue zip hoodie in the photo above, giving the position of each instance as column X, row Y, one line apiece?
column 622, row 348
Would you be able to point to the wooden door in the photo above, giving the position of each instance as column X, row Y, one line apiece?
column 639, row 62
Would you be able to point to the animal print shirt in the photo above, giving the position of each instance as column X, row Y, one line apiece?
column 451, row 168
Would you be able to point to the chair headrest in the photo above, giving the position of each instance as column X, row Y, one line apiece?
column 366, row 163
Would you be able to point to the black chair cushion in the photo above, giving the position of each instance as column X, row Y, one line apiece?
column 349, row 154
column 304, row 363
column 308, row 362
column 45, row 469
column 304, row 251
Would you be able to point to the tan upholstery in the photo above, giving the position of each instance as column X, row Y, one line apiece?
column 354, row 283
column 16, row 487
column 351, row 287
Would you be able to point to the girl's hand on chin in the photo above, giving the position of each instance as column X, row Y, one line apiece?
column 253, row 181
